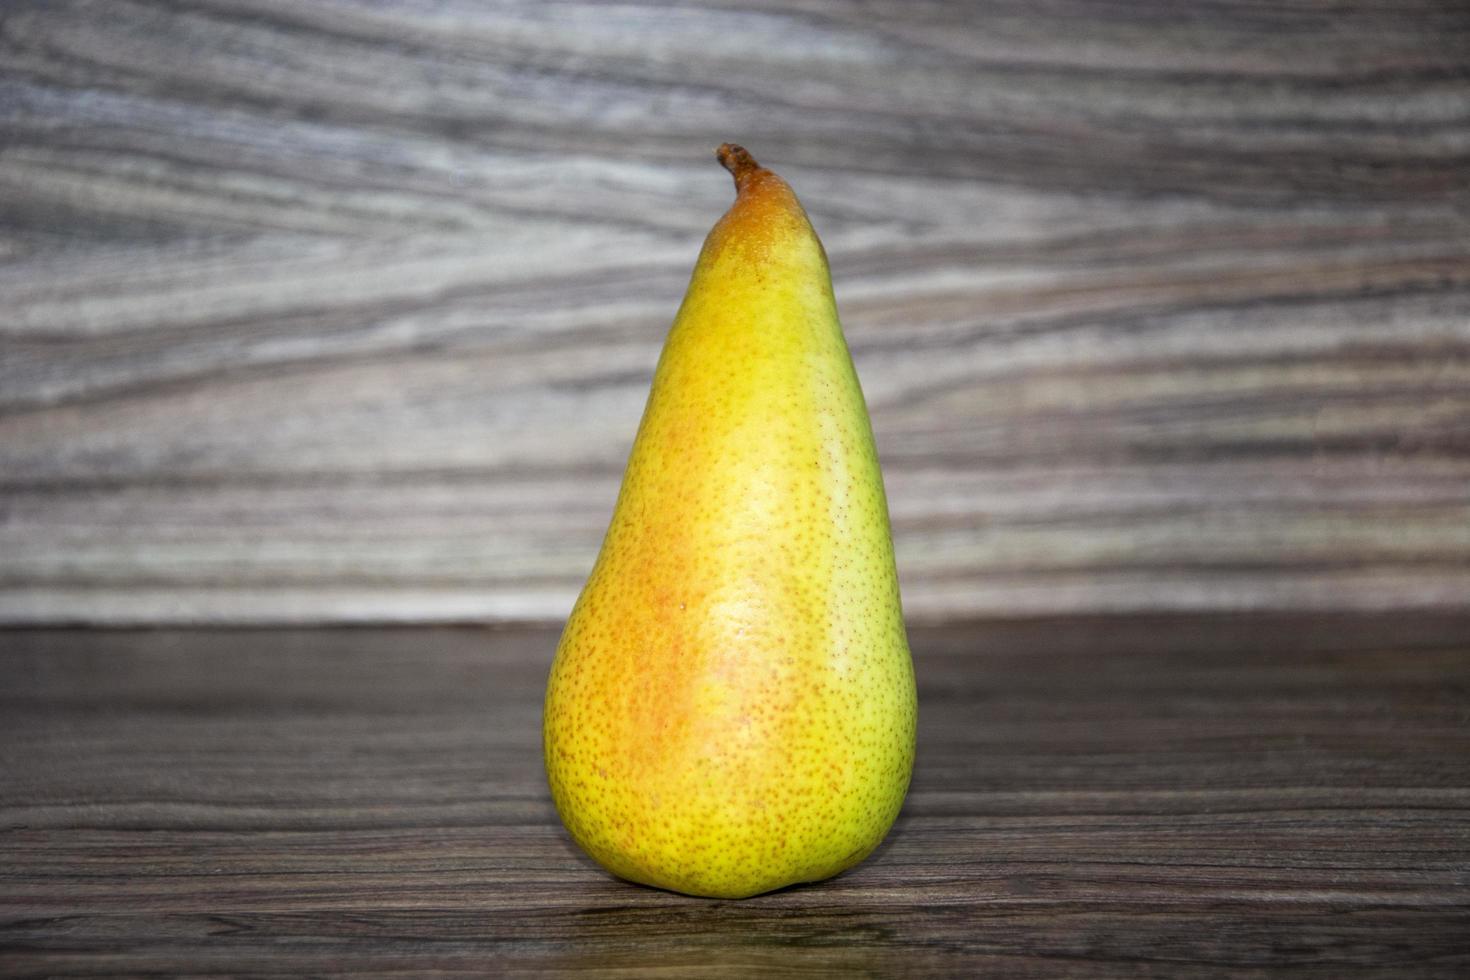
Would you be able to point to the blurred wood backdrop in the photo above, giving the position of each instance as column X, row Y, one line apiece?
column 346, row 310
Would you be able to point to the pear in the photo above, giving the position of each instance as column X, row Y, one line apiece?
column 731, row 708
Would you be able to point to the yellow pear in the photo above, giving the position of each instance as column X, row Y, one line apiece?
column 731, row 708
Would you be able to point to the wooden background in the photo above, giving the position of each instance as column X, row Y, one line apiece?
column 346, row 310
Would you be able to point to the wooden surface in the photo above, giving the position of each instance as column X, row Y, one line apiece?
column 1165, row 797
column 346, row 310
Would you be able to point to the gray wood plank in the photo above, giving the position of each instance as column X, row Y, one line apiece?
column 347, row 311
column 1107, row 796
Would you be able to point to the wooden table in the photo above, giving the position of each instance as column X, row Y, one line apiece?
column 1106, row 796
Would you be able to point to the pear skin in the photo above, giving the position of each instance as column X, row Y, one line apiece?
column 731, row 708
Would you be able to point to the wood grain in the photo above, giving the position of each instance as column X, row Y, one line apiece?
column 1143, row 797
column 347, row 310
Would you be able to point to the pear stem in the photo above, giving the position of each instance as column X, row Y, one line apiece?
column 739, row 162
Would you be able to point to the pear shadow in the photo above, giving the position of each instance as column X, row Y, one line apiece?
column 649, row 931
column 826, row 928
